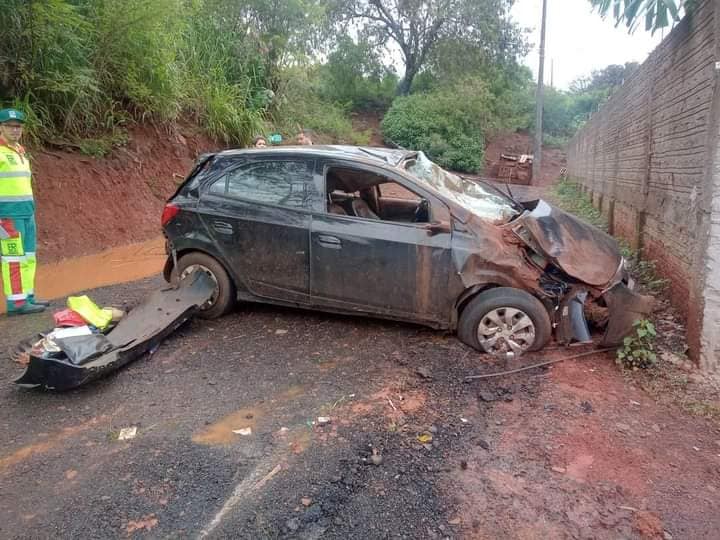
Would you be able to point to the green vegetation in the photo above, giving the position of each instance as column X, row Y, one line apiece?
column 569, row 196
column 565, row 111
column 655, row 13
column 638, row 349
column 443, row 124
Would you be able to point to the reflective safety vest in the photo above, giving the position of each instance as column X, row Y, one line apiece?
column 16, row 196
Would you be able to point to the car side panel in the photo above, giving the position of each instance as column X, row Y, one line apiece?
column 266, row 245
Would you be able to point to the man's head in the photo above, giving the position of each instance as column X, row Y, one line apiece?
column 303, row 137
column 11, row 125
column 259, row 142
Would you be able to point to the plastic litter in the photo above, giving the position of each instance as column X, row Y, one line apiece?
column 62, row 333
column 89, row 311
column 425, row 437
column 81, row 349
column 243, row 431
column 127, row 433
column 68, row 317
column 323, row 420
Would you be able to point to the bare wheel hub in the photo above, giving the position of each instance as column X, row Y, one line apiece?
column 506, row 330
column 216, row 291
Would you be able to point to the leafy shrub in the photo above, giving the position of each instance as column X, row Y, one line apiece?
column 447, row 124
column 638, row 350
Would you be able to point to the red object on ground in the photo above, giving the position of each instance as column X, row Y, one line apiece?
column 68, row 317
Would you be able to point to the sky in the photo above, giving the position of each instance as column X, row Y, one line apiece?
column 578, row 40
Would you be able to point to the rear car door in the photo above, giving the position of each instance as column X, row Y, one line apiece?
column 259, row 213
column 390, row 268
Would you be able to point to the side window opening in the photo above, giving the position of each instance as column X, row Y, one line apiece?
column 363, row 194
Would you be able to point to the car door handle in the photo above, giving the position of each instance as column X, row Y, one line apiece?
column 329, row 241
column 223, row 227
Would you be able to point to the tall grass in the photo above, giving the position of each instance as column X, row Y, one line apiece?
column 81, row 68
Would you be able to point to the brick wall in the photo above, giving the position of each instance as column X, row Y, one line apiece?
column 647, row 159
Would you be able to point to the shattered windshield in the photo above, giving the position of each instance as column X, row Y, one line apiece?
column 479, row 198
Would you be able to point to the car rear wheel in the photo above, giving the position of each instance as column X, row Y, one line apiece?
column 223, row 297
column 504, row 320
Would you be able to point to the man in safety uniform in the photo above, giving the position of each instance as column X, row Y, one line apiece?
column 17, row 218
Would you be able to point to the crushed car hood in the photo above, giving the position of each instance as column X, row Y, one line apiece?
column 580, row 250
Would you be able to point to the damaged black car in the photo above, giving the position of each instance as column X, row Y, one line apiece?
column 388, row 233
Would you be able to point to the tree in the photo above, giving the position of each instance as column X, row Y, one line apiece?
column 610, row 77
column 355, row 75
column 656, row 13
column 418, row 26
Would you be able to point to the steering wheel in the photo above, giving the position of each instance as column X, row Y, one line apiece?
column 422, row 212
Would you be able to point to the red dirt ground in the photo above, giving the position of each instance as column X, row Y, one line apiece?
column 593, row 457
column 85, row 205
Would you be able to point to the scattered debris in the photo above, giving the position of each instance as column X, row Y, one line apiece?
column 281, row 332
column 306, row 501
column 487, row 396
column 376, row 457
column 243, row 431
column 425, row 437
column 561, row 470
column 464, row 420
column 322, row 420
column 586, row 407
column 392, row 404
column 541, row 364
column 424, row 372
column 127, row 433
column 656, row 428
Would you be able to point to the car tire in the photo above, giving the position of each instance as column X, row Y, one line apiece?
column 224, row 298
column 530, row 331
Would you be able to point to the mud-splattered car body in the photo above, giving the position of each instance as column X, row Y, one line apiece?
column 324, row 228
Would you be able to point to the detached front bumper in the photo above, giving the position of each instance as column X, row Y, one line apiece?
column 625, row 306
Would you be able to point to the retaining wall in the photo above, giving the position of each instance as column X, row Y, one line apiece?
column 650, row 158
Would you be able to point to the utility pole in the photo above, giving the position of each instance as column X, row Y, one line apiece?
column 537, row 154
column 552, row 73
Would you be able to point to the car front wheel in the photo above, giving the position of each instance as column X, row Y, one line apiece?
column 504, row 320
column 223, row 297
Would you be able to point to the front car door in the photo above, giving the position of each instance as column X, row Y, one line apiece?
column 259, row 214
column 395, row 269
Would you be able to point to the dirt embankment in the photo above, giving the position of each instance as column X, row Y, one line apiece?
column 86, row 205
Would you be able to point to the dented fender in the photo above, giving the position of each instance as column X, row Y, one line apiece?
column 625, row 307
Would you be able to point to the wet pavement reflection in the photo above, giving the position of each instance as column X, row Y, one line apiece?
column 117, row 265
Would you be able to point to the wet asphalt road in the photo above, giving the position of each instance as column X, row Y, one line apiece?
column 63, row 473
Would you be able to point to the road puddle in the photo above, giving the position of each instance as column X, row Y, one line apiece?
column 117, row 265
column 222, row 431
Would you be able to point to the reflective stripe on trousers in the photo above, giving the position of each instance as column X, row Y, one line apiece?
column 17, row 260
